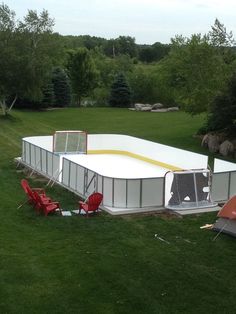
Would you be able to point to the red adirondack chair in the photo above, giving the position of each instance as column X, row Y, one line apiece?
column 30, row 195
column 44, row 205
column 92, row 203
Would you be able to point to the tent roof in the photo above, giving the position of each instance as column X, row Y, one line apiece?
column 229, row 209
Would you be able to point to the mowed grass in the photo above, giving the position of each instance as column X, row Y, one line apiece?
column 107, row 264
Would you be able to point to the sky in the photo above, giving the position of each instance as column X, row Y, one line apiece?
column 149, row 21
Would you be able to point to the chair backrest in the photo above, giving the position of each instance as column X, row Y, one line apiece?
column 94, row 200
column 37, row 198
column 24, row 183
column 27, row 189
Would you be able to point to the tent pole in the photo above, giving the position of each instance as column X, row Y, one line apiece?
column 220, row 231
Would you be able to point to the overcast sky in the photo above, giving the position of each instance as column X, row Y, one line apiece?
column 148, row 21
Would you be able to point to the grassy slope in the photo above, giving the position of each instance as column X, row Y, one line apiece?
column 107, row 264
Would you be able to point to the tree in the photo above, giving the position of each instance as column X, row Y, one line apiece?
column 153, row 53
column 120, row 95
column 219, row 37
column 61, row 88
column 25, row 61
column 8, row 56
column 223, row 41
column 36, row 30
column 222, row 114
column 194, row 72
column 127, row 46
column 122, row 45
column 82, row 72
column 48, row 96
column 144, row 85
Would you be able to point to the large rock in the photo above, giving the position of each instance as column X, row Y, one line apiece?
column 205, row 141
column 143, row 107
column 157, row 106
column 147, row 108
column 160, row 110
column 173, row 109
column 226, row 148
column 212, row 142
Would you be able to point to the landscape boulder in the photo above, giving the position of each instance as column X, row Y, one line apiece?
column 157, row 106
column 160, row 110
column 143, row 107
column 226, row 148
column 205, row 140
column 173, row 109
column 212, row 141
column 147, row 108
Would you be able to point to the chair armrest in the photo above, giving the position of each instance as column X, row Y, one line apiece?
column 55, row 203
column 39, row 190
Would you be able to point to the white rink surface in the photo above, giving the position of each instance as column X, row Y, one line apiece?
column 118, row 166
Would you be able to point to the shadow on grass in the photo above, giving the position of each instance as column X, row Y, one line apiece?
column 9, row 118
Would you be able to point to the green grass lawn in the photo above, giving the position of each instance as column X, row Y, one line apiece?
column 107, row 264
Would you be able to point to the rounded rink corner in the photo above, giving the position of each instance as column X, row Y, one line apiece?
column 133, row 174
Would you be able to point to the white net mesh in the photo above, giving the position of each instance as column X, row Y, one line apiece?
column 188, row 189
column 70, row 142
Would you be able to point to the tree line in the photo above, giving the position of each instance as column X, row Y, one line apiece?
column 41, row 68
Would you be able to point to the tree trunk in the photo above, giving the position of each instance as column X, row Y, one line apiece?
column 79, row 101
column 5, row 109
column 3, row 106
column 13, row 103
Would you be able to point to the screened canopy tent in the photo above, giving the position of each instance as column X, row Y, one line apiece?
column 227, row 218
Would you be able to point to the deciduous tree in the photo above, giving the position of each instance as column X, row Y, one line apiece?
column 195, row 72
column 82, row 73
column 25, row 60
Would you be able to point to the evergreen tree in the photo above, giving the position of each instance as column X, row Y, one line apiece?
column 61, row 87
column 120, row 95
column 48, row 96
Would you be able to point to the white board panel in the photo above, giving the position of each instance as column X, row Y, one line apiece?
column 65, row 172
column 223, row 166
column 56, row 166
column 49, row 164
column 119, row 193
column 32, row 156
column 232, row 184
column 220, row 186
column 152, row 192
column 107, row 192
column 73, row 176
column 100, row 185
column 80, row 180
column 133, row 194
column 44, row 160
column 38, row 158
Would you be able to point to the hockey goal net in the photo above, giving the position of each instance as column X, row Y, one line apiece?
column 70, row 142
